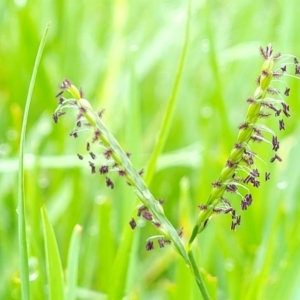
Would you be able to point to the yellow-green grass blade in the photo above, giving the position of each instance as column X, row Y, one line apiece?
column 164, row 130
column 72, row 267
column 25, row 286
column 53, row 261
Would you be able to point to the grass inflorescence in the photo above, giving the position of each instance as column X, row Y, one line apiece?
column 240, row 170
column 238, row 175
column 177, row 106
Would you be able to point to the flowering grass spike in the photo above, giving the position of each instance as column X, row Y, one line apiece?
column 238, row 176
column 240, row 170
column 115, row 160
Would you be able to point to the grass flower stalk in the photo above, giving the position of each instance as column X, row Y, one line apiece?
column 117, row 160
column 239, row 172
column 241, row 159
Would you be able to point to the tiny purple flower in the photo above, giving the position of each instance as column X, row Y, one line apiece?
column 149, row 245
column 132, row 223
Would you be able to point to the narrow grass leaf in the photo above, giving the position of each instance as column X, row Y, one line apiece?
column 84, row 293
column 53, row 261
column 119, row 269
column 72, row 267
column 25, row 287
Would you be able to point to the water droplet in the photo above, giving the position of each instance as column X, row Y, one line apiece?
column 282, row 185
column 33, row 268
column 100, row 200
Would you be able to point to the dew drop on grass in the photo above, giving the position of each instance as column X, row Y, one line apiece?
column 33, row 268
column 21, row 3
column 100, row 200
column 282, row 185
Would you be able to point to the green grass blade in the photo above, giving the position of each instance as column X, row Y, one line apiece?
column 170, row 106
column 83, row 293
column 25, row 287
column 72, row 267
column 218, row 96
column 53, row 261
column 120, row 266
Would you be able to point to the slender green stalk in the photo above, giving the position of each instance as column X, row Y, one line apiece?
column 25, row 286
column 141, row 189
column 197, row 275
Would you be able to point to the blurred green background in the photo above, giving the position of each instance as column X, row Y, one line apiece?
column 124, row 54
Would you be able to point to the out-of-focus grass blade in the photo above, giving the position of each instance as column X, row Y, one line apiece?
column 72, row 267
column 164, row 130
column 120, row 266
column 25, row 287
column 83, row 293
column 53, row 262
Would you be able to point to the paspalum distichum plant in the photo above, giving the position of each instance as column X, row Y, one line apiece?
column 239, row 175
